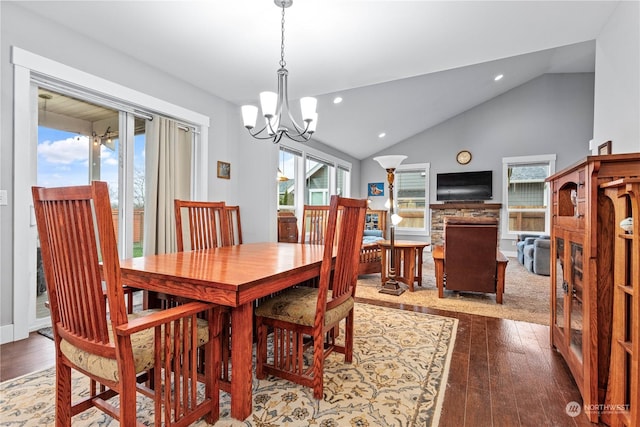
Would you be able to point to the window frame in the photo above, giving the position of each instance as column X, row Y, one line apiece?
column 550, row 160
column 305, row 152
column 414, row 231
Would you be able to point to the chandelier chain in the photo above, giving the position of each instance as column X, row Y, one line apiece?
column 282, row 61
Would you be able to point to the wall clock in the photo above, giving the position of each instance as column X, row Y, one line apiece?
column 463, row 157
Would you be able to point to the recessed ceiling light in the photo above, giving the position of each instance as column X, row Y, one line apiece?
column 382, row 135
column 337, row 100
column 498, row 77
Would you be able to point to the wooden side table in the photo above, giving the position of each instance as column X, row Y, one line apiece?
column 408, row 255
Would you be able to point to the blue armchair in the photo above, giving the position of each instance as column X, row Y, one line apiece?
column 537, row 255
column 523, row 240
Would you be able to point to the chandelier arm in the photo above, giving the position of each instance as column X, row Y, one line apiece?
column 299, row 129
column 256, row 135
column 300, row 137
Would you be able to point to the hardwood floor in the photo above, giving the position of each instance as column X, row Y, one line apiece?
column 503, row 372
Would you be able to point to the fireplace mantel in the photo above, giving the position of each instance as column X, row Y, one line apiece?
column 466, row 205
column 441, row 210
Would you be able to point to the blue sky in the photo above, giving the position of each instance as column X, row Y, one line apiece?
column 63, row 159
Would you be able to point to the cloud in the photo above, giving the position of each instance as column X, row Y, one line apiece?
column 107, row 156
column 65, row 151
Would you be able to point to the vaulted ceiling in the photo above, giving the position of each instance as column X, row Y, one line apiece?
column 400, row 66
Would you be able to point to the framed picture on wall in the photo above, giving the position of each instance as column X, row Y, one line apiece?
column 376, row 189
column 604, row 148
column 224, row 170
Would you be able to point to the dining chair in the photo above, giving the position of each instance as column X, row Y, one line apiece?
column 300, row 313
column 206, row 225
column 151, row 352
column 314, row 224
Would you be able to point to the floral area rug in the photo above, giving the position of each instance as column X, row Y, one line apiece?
column 397, row 378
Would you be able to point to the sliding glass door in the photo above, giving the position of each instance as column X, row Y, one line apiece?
column 80, row 142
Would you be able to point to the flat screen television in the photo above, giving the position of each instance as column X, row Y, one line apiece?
column 467, row 186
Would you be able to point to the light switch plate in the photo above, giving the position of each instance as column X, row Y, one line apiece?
column 3, row 198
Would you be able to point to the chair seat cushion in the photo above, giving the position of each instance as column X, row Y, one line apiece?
column 298, row 305
column 141, row 343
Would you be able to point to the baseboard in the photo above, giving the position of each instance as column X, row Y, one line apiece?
column 6, row 334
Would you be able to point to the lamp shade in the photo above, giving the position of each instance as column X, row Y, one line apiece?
column 313, row 123
column 308, row 107
column 268, row 103
column 395, row 219
column 390, row 162
column 249, row 115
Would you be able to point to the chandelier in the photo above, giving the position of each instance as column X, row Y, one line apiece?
column 278, row 119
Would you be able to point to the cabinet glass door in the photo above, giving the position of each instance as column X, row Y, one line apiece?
column 560, row 284
column 575, row 295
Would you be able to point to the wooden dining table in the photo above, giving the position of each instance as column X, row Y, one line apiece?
column 233, row 276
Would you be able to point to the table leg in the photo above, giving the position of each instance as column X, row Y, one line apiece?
column 409, row 257
column 419, row 266
column 438, row 260
column 241, row 361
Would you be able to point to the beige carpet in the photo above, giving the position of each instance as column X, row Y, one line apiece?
column 526, row 296
column 398, row 378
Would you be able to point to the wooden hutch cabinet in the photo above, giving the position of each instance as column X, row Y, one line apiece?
column 583, row 233
column 623, row 392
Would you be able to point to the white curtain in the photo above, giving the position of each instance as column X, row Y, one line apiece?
column 168, row 177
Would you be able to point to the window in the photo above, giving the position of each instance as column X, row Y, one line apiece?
column 315, row 175
column 526, row 193
column 318, row 175
column 287, row 166
column 411, row 195
column 342, row 181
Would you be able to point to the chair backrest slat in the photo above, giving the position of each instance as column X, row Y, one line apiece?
column 314, row 224
column 343, row 236
column 234, row 224
column 69, row 220
column 207, row 225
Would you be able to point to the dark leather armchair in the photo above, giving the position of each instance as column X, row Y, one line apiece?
column 470, row 260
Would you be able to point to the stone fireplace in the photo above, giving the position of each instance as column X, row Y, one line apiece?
column 441, row 210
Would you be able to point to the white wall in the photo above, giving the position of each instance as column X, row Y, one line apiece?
column 617, row 85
